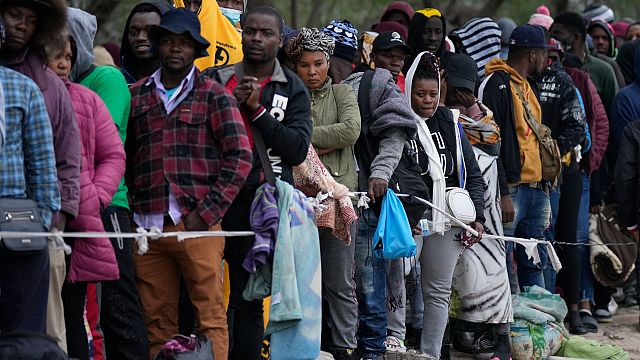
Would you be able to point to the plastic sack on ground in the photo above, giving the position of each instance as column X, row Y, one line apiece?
column 393, row 231
column 537, row 331
column 531, row 341
column 179, row 347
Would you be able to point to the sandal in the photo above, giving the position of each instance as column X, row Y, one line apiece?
column 588, row 321
column 576, row 326
column 394, row 344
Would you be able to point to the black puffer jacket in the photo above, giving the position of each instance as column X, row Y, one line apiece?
column 561, row 110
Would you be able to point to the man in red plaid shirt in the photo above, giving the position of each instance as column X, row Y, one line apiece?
column 188, row 155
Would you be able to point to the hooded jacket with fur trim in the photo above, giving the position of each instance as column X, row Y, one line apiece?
column 31, row 61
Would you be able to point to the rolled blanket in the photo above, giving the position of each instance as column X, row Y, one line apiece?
column 611, row 264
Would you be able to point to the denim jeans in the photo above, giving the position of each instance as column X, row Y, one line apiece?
column 370, row 288
column 532, row 214
column 586, row 276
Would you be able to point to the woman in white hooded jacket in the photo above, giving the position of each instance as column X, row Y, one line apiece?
column 447, row 161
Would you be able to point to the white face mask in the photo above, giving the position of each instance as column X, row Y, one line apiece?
column 232, row 14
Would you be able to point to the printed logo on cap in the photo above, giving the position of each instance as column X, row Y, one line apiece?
column 396, row 37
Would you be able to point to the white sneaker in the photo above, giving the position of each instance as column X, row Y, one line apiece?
column 613, row 307
column 394, row 344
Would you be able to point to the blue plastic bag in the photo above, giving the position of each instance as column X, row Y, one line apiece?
column 393, row 231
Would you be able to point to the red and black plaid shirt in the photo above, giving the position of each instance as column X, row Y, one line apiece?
column 200, row 151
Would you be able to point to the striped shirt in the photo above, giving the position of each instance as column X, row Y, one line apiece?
column 27, row 162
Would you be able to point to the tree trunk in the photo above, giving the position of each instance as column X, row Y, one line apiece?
column 294, row 14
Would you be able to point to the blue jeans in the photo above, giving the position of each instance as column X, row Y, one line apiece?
column 532, row 214
column 370, row 288
column 550, row 274
column 586, row 277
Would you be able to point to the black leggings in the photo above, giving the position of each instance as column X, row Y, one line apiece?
column 245, row 318
column 74, row 297
column 566, row 231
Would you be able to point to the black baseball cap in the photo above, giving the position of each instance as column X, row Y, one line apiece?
column 531, row 36
column 389, row 40
column 461, row 71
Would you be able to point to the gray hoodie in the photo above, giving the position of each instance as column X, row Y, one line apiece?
column 82, row 28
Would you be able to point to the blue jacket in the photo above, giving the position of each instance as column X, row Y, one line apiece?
column 626, row 108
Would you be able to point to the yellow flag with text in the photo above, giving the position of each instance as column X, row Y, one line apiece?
column 226, row 47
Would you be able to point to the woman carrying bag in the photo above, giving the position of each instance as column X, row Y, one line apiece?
column 451, row 171
column 336, row 128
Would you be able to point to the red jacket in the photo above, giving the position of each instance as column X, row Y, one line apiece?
column 596, row 116
column 103, row 165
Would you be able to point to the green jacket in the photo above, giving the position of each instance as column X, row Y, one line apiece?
column 109, row 83
column 336, row 125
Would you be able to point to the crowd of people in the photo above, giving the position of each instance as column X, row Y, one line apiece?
column 520, row 131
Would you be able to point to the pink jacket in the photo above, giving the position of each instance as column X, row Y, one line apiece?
column 103, row 165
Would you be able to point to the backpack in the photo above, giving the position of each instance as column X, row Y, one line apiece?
column 406, row 177
column 29, row 346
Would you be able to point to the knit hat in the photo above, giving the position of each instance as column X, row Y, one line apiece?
column 620, row 28
column 541, row 20
column 345, row 36
column 384, row 26
column 597, row 11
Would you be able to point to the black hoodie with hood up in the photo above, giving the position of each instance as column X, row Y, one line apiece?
column 128, row 59
column 613, row 52
column 415, row 41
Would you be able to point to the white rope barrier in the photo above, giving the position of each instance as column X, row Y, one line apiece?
column 142, row 236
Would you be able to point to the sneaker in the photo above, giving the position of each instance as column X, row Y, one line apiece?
column 602, row 316
column 368, row 357
column 343, row 354
column 613, row 307
column 484, row 345
column 503, row 351
column 394, row 344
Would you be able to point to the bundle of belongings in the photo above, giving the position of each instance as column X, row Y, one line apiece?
column 335, row 210
column 285, row 264
column 537, row 331
column 613, row 250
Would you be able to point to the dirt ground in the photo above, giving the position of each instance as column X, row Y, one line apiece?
column 622, row 331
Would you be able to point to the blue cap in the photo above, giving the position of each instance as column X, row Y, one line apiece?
column 179, row 21
column 528, row 36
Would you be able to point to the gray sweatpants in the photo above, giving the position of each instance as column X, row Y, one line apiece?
column 401, row 288
column 438, row 261
column 338, row 288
